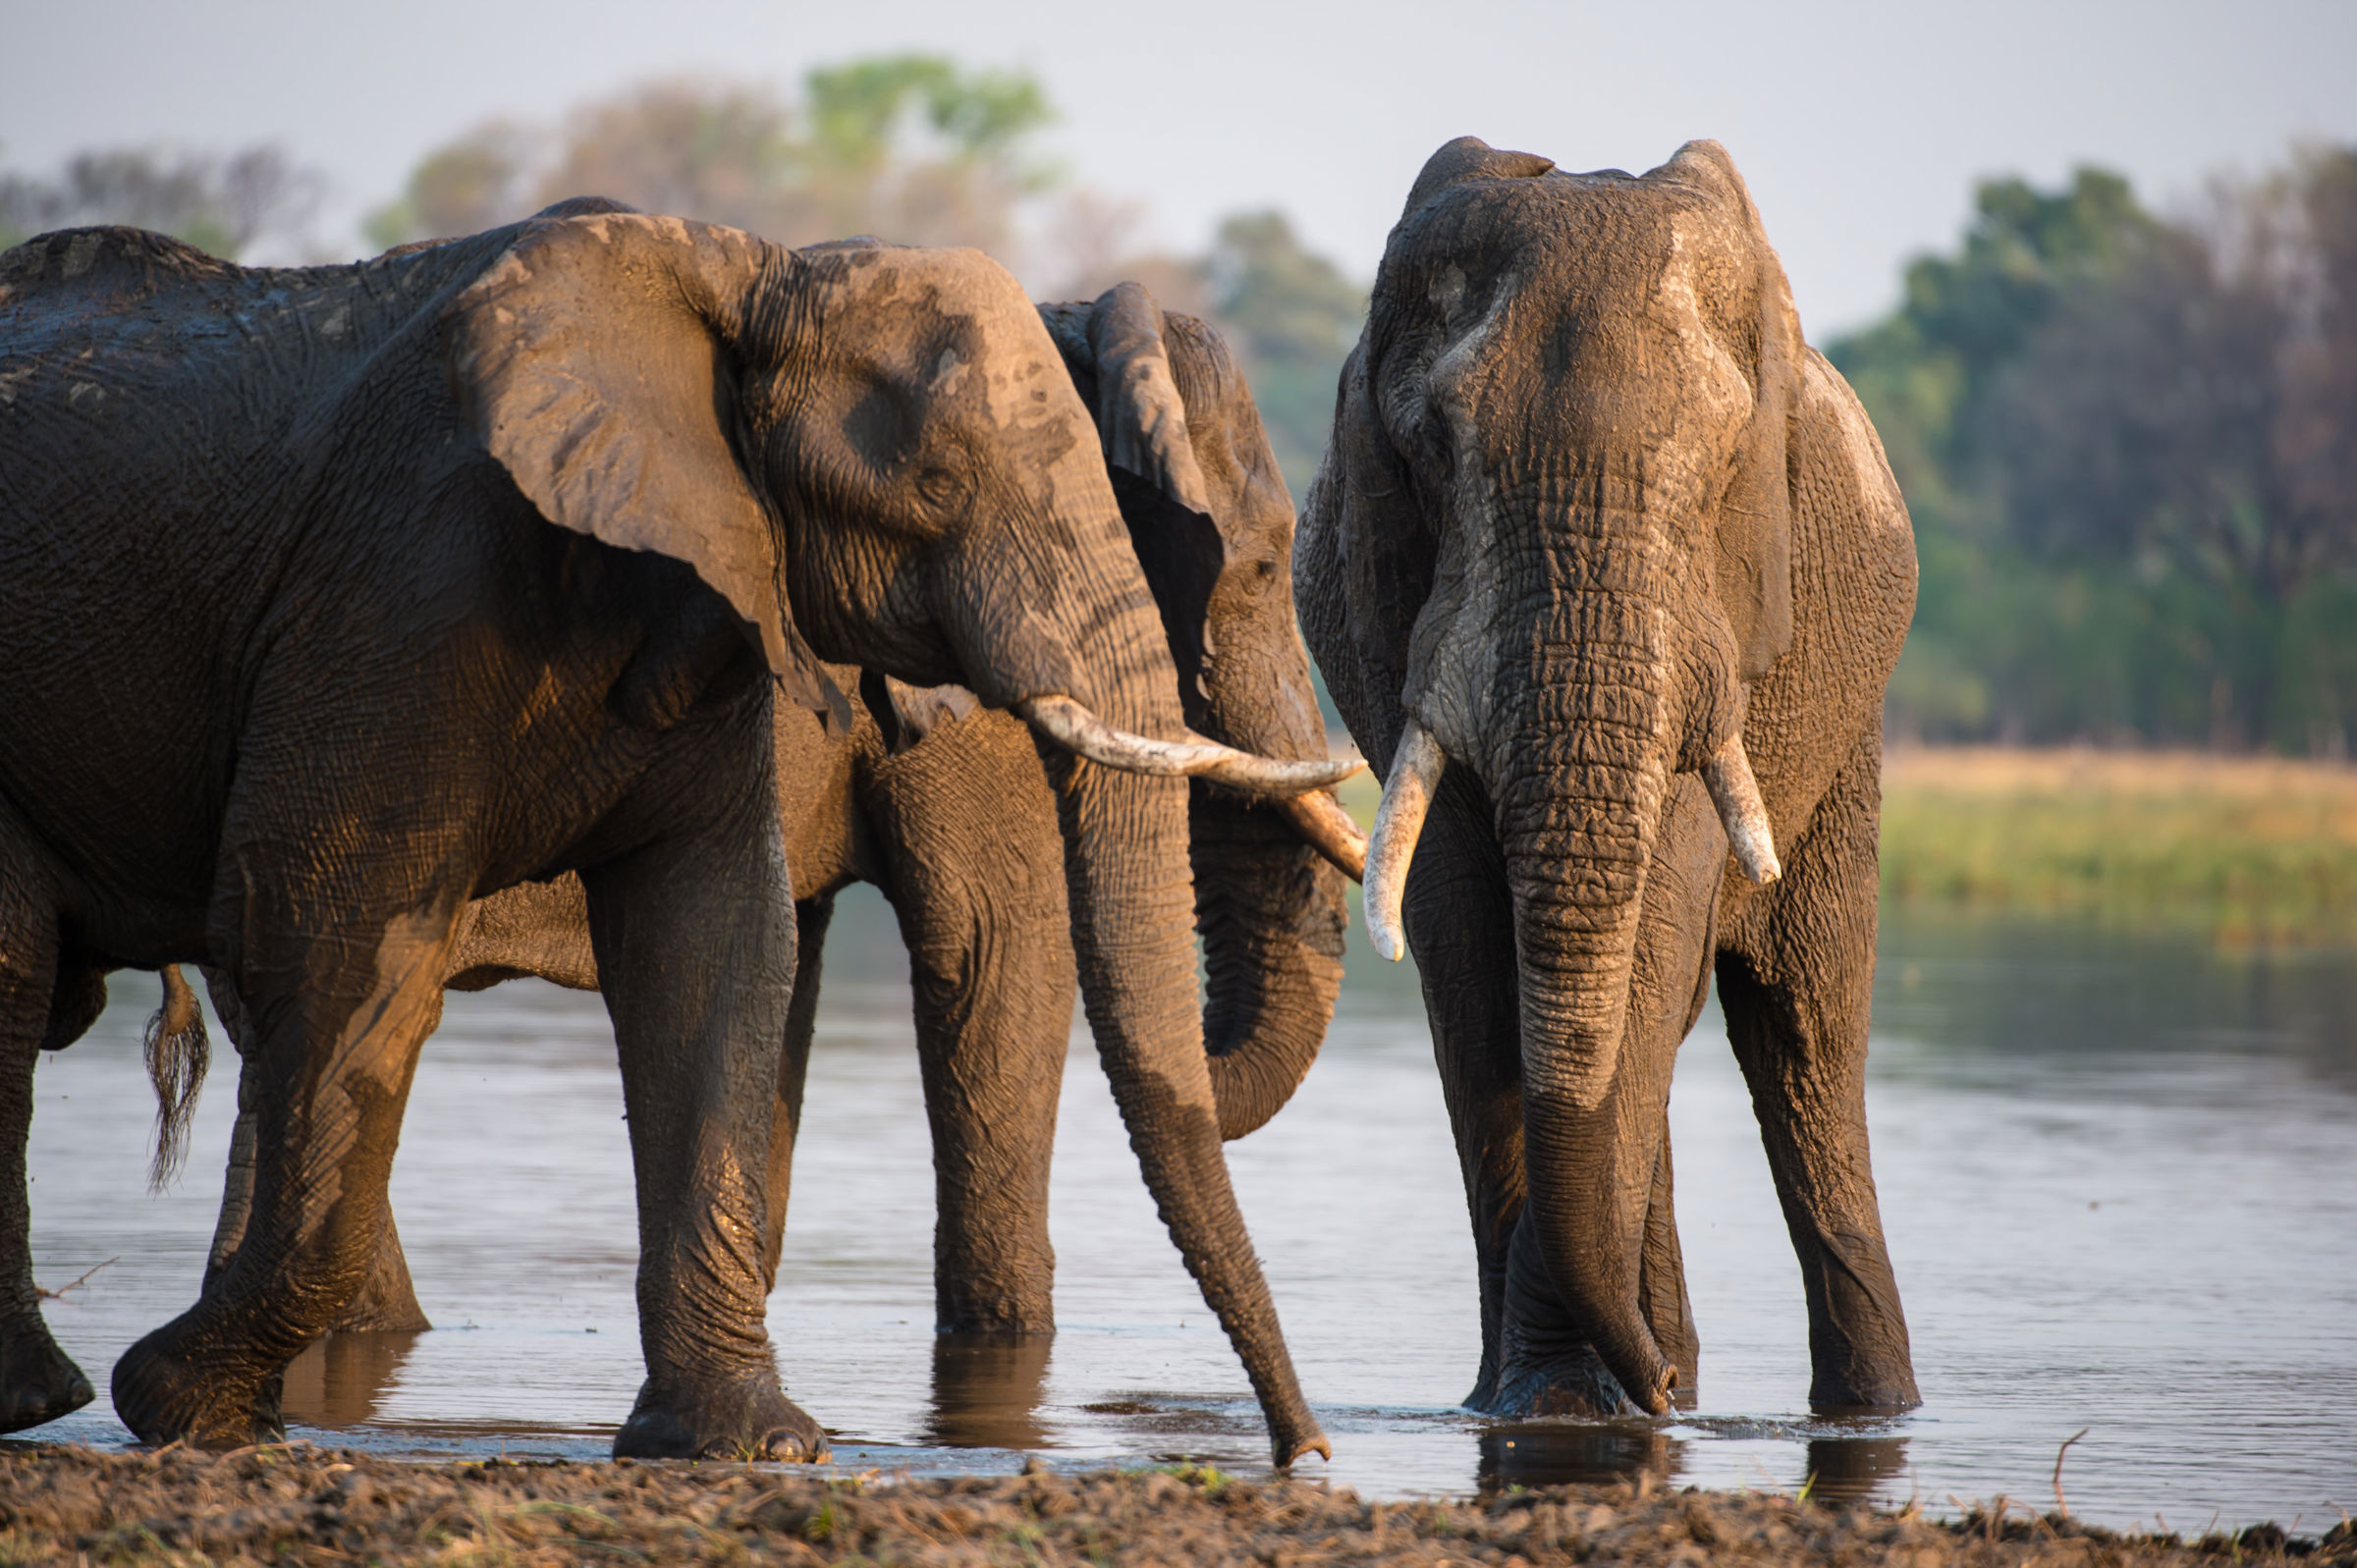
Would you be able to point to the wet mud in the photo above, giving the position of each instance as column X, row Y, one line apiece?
column 300, row 1504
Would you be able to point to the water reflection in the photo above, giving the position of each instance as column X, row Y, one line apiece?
column 1854, row 1469
column 342, row 1380
column 987, row 1391
column 1556, row 1453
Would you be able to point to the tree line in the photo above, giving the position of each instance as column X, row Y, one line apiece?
column 2128, row 439
column 908, row 147
column 2130, row 445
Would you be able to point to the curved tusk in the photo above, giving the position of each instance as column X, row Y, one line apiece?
column 1737, row 794
column 1407, row 797
column 1076, row 730
column 1327, row 827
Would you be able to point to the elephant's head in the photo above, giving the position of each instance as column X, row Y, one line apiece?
column 1213, row 525
column 1558, row 480
column 886, row 439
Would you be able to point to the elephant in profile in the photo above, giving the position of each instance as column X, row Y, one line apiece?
column 1606, row 571
column 944, row 805
column 480, row 563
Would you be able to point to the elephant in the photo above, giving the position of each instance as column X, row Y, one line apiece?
column 335, row 597
column 943, row 804
column 1606, row 571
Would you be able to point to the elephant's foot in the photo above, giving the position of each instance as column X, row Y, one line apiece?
column 1864, row 1390
column 225, row 1400
column 746, row 1417
column 1563, row 1383
column 39, row 1383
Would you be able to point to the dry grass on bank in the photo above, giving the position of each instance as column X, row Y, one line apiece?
column 2242, row 850
column 307, row 1505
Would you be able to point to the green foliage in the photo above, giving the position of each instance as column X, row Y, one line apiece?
column 2122, row 438
column 908, row 147
column 858, row 110
column 1292, row 317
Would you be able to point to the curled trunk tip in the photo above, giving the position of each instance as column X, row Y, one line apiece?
column 1072, row 726
column 1736, row 793
column 1398, row 822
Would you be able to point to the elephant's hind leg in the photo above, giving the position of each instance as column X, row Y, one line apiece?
column 1796, row 981
column 388, row 1301
column 337, row 1021
column 38, row 1382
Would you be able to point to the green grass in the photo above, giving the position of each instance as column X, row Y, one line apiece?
column 2246, row 852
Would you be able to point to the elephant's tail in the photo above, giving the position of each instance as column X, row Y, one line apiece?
column 178, row 1054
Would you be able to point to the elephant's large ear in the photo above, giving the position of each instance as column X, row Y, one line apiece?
column 1363, row 562
column 1140, row 416
column 1755, row 514
column 593, row 361
column 1116, row 352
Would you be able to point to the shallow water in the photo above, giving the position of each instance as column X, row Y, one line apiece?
column 2119, row 1179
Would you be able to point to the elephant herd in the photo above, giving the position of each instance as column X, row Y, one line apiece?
column 595, row 597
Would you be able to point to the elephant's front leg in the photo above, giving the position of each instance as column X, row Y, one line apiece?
column 337, row 1021
column 1796, row 981
column 387, row 1301
column 1461, row 926
column 968, row 831
column 694, row 940
column 38, row 1382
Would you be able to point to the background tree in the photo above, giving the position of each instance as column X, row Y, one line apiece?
column 907, row 148
column 223, row 205
column 2126, row 441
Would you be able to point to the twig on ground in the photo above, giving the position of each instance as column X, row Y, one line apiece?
column 52, row 1295
column 2061, row 1504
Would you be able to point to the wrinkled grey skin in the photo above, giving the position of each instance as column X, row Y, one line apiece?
column 1591, row 506
column 944, row 805
column 475, row 562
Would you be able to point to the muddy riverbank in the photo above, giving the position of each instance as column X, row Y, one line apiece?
column 312, row 1505
column 301, row 1504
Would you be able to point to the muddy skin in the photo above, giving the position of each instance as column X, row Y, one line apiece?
column 392, row 603
column 944, row 805
column 1606, row 571
column 304, row 1505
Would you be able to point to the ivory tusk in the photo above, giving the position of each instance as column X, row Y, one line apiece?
column 1399, row 820
column 1327, row 827
column 1076, row 730
column 1737, row 794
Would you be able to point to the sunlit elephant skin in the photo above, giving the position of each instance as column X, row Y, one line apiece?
column 943, row 804
column 333, row 598
column 1606, row 569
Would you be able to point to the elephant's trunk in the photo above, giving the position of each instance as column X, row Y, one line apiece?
column 1133, row 905
column 1578, row 751
column 1269, row 912
column 1576, row 853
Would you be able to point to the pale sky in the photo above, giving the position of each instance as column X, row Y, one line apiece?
column 1859, row 127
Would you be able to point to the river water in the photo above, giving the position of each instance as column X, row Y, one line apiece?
column 2119, row 1180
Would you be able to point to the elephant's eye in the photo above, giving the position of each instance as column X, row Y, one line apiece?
column 1259, row 574
column 940, row 487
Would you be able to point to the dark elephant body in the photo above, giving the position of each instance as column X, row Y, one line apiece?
column 300, row 666
column 944, row 805
column 1599, row 543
